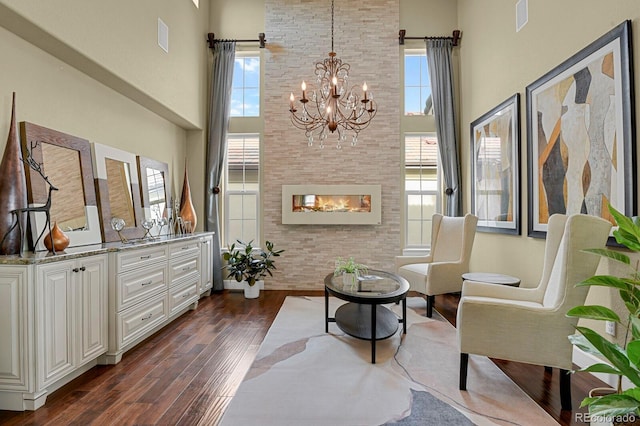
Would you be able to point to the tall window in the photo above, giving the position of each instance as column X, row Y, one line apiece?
column 245, row 91
column 242, row 189
column 421, row 187
column 417, row 86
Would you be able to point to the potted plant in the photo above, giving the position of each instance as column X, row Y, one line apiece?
column 623, row 361
column 350, row 270
column 247, row 264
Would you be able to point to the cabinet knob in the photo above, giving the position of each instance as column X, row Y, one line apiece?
column 146, row 318
column 76, row 269
column 83, row 268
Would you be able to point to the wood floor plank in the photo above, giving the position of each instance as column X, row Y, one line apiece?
column 187, row 373
column 214, row 412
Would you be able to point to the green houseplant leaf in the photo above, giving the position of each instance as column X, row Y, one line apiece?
column 349, row 266
column 594, row 312
column 623, row 361
column 612, row 405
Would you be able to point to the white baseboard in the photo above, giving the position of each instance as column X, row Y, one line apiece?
column 235, row 285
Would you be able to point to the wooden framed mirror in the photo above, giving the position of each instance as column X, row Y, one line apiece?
column 67, row 163
column 155, row 191
column 117, row 184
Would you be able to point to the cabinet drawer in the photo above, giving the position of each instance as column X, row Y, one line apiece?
column 189, row 247
column 140, row 284
column 184, row 266
column 136, row 321
column 183, row 294
column 139, row 258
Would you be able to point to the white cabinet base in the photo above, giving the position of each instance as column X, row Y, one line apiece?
column 16, row 401
column 22, row 401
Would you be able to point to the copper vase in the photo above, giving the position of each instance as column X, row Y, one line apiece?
column 13, row 191
column 60, row 239
column 187, row 212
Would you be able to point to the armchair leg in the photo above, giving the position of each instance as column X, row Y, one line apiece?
column 464, row 361
column 565, row 390
column 430, row 302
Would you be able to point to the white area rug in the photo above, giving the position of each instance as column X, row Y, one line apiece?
column 304, row 376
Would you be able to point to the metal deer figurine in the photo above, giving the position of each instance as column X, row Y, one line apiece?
column 46, row 208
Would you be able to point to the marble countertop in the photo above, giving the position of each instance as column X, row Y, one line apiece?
column 30, row 258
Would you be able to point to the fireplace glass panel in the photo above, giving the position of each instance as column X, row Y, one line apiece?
column 332, row 203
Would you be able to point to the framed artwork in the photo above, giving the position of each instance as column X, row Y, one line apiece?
column 495, row 168
column 581, row 134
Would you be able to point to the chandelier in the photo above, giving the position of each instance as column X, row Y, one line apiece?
column 333, row 106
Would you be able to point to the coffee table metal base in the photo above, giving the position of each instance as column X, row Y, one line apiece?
column 363, row 322
column 364, row 317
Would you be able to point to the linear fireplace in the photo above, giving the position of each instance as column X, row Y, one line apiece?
column 331, row 204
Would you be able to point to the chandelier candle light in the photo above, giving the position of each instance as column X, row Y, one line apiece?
column 332, row 107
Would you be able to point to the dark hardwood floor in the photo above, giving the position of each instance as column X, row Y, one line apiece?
column 187, row 373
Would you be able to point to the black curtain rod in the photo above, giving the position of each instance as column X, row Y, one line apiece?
column 455, row 37
column 211, row 39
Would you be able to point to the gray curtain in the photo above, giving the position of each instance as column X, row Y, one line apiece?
column 224, row 54
column 441, row 75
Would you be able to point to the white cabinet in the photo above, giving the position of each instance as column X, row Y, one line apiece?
column 72, row 316
column 62, row 314
column 138, row 283
column 53, row 326
column 184, row 294
column 149, row 286
column 206, row 283
column 15, row 313
column 132, row 324
column 54, row 320
column 91, row 323
column 185, row 271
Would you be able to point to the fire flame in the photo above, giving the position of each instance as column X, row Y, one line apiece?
column 336, row 203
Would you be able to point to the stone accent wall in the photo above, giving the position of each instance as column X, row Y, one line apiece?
column 366, row 37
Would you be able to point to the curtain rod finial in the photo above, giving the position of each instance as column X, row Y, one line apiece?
column 456, row 37
column 401, row 36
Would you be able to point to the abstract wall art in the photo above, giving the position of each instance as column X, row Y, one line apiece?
column 581, row 134
column 495, row 165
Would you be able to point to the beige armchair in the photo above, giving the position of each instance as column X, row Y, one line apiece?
column 441, row 271
column 530, row 325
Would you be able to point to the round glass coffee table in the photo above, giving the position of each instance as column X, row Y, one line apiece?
column 365, row 317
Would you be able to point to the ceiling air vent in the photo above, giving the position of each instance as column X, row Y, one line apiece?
column 163, row 35
column 522, row 14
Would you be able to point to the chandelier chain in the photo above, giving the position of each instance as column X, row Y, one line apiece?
column 331, row 105
column 332, row 26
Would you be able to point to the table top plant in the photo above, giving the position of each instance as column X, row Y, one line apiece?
column 623, row 361
column 350, row 268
